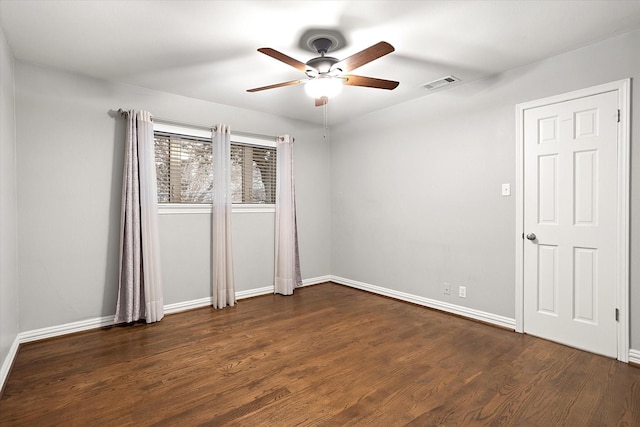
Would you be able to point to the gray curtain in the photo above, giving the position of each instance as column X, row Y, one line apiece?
column 223, row 287
column 140, row 285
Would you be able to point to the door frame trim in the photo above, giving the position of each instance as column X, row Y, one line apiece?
column 623, row 87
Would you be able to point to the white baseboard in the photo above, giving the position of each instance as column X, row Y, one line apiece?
column 482, row 316
column 634, row 356
column 187, row 305
column 67, row 328
column 8, row 361
column 317, row 280
column 254, row 292
column 207, row 301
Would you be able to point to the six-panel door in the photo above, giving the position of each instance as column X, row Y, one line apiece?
column 570, row 185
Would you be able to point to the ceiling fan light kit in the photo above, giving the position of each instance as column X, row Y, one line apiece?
column 323, row 86
column 326, row 74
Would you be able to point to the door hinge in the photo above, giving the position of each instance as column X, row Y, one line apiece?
column 617, row 315
column 618, row 116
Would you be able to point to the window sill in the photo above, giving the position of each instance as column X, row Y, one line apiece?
column 179, row 208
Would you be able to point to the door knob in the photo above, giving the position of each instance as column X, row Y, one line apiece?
column 531, row 236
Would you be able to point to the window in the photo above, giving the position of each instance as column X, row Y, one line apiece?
column 183, row 168
column 253, row 174
column 185, row 173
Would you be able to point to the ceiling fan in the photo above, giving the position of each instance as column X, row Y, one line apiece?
column 327, row 75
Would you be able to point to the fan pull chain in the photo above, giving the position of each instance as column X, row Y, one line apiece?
column 325, row 111
column 325, row 114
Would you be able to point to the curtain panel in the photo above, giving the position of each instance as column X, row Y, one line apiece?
column 140, row 280
column 223, row 287
column 287, row 261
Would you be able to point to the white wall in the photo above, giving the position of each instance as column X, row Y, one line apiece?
column 8, row 207
column 415, row 189
column 70, row 161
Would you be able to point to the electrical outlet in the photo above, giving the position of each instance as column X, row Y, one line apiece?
column 462, row 291
column 446, row 289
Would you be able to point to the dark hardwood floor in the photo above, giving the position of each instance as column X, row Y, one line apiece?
column 329, row 355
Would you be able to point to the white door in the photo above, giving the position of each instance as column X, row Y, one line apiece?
column 570, row 222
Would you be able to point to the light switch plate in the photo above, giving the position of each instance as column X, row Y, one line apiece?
column 506, row 189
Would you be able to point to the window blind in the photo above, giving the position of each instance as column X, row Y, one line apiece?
column 185, row 175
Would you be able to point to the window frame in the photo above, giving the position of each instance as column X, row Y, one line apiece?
column 207, row 208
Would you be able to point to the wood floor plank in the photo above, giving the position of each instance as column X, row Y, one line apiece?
column 327, row 356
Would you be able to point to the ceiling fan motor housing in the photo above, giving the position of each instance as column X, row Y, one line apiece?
column 320, row 65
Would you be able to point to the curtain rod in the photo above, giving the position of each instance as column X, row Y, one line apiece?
column 203, row 127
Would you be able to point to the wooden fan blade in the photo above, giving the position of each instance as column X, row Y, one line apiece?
column 292, row 82
column 283, row 58
column 322, row 101
column 370, row 82
column 363, row 57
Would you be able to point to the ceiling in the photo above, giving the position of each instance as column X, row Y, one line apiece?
column 207, row 49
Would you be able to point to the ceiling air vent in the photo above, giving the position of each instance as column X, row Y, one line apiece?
column 440, row 83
